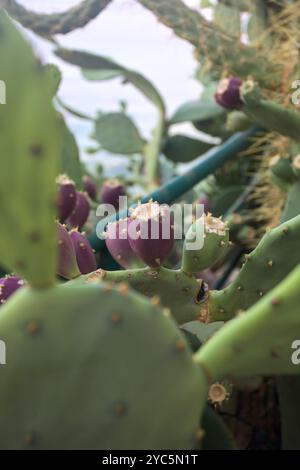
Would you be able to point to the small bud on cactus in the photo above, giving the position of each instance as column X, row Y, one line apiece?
column 84, row 254
column 8, row 286
column 118, row 245
column 111, row 191
column 228, row 93
column 66, row 197
column 90, row 187
column 237, row 121
column 81, row 211
column 67, row 264
column 151, row 233
column 214, row 244
column 281, row 172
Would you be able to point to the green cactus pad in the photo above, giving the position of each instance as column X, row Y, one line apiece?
column 216, row 434
column 118, row 134
column 96, row 367
column 273, row 259
column 56, row 23
column 184, row 295
column 291, row 208
column 228, row 18
column 181, row 148
column 29, row 147
column 282, row 168
column 259, row 342
column 270, row 115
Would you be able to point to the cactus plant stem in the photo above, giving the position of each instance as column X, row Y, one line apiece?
column 178, row 186
column 56, row 23
column 271, row 115
column 152, row 152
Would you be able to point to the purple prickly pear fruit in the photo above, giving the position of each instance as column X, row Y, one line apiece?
column 151, row 232
column 81, row 211
column 111, row 192
column 90, row 187
column 67, row 264
column 84, row 253
column 8, row 286
column 66, row 197
column 118, row 245
column 228, row 93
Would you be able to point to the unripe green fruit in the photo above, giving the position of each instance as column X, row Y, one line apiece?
column 281, row 169
column 215, row 240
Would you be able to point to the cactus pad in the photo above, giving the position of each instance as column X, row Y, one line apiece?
column 120, row 378
column 259, row 342
column 275, row 257
column 29, row 146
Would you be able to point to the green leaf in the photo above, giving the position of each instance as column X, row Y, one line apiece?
column 96, row 67
column 29, row 149
column 70, row 161
column 180, row 148
column 118, row 134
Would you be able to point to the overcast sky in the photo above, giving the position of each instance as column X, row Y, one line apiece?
column 131, row 35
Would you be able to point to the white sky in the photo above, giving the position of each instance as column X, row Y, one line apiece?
column 131, row 35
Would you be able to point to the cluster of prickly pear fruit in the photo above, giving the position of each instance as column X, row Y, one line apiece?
column 75, row 254
column 148, row 233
